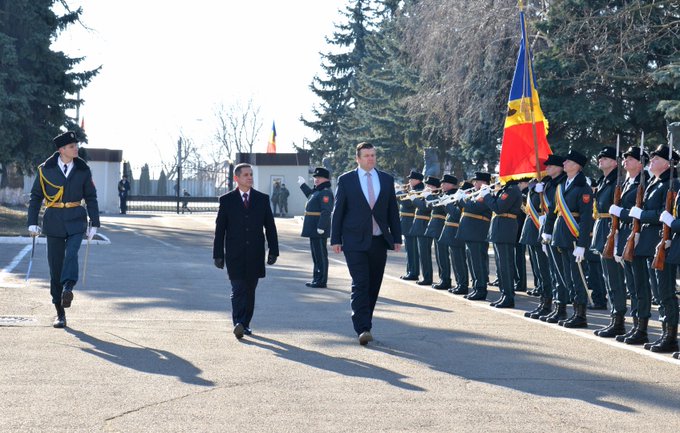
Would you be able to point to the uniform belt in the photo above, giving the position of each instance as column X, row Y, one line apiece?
column 441, row 217
column 449, row 224
column 312, row 213
column 69, row 204
column 406, row 214
column 505, row 215
column 574, row 214
column 475, row 216
column 422, row 217
column 603, row 215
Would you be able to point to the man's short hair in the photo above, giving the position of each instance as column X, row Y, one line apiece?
column 239, row 167
column 363, row 145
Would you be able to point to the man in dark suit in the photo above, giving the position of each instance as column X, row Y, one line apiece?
column 62, row 183
column 364, row 226
column 243, row 220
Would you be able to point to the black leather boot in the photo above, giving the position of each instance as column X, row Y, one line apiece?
column 676, row 355
column 573, row 314
column 640, row 335
column 460, row 291
column 668, row 344
column 616, row 327
column 622, row 337
column 477, row 295
column 442, row 285
column 546, row 307
column 497, row 301
column 559, row 313
column 606, row 328
column 538, row 308
column 580, row 320
column 649, row 345
column 60, row 320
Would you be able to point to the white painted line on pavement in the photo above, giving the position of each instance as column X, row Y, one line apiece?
column 13, row 264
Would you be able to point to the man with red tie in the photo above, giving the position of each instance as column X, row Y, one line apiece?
column 364, row 226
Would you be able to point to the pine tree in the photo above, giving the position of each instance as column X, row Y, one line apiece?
column 34, row 80
column 162, row 184
column 145, row 181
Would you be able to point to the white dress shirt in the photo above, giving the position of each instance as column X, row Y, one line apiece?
column 68, row 166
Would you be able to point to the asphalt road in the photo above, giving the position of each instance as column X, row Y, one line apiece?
column 149, row 348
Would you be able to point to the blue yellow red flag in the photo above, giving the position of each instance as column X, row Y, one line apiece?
column 524, row 135
column 271, row 144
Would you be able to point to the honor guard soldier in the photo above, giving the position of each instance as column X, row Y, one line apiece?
column 317, row 223
column 474, row 231
column 406, row 216
column 506, row 206
column 444, row 245
column 568, row 229
column 420, row 222
column 607, row 161
column 434, row 231
column 633, row 163
column 555, row 176
column 456, row 246
column 63, row 182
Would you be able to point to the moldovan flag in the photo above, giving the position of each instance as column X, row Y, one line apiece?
column 518, row 149
column 271, row 144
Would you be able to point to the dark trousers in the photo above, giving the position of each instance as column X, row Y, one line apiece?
column 443, row 261
column 541, row 268
column 320, row 259
column 479, row 264
column 520, row 275
column 123, row 203
column 641, row 286
column 366, row 269
column 613, row 278
column 559, row 282
column 460, row 268
column 668, row 301
column 412, row 264
column 243, row 301
column 62, row 257
column 596, row 281
column 505, row 260
column 572, row 276
column 630, row 287
column 425, row 255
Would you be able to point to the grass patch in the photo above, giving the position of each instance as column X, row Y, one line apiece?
column 13, row 221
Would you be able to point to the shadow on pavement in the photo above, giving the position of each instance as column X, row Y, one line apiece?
column 141, row 358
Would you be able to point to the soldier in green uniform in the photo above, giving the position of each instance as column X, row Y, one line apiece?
column 63, row 182
column 456, row 246
column 506, row 204
column 434, row 231
column 474, row 230
column 444, row 244
column 607, row 161
column 406, row 216
column 420, row 222
column 567, row 227
column 317, row 223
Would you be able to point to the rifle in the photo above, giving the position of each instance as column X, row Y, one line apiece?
column 608, row 251
column 660, row 256
column 629, row 249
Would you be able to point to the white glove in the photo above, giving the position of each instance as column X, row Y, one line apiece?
column 319, row 231
column 666, row 218
column 541, row 220
column 426, row 193
column 546, row 238
column 579, row 253
column 34, row 231
column 539, row 187
column 635, row 212
column 91, row 232
column 618, row 259
column 300, row 180
column 459, row 195
column 484, row 191
column 544, row 247
column 615, row 210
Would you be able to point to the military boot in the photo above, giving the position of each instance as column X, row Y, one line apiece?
column 616, row 327
column 668, row 344
column 60, row 320
column 649, row 345
column 622, row 337
column 559, row 313
column 580, row 320
column 676, row 355
column 546, row 307
column 606, row 328
column 573, row 314
column 538, row 308
column 442, row 285
column 640, row 335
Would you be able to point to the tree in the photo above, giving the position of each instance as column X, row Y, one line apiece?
column 35, row 82
column 669, row 75
column 162, row 184
column 238, row 126
column 145, row 181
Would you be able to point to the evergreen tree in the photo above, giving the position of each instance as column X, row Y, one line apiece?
column 162, row 184
column 670, row 75
column 34, row 80
column 145, row 181
column 337, row 88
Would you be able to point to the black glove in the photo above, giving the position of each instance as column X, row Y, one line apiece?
column 271, row 259
column 219, row 263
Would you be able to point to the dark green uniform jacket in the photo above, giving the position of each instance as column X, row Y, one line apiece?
column 474, row 221
column 628, row 193
column 604, row 198
column 437, row 219
column 579, row 200
column 451, row 225
column 407, row 210
column 317, row 210
column 506, row 205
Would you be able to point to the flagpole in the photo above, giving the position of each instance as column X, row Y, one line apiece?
column 531, row 99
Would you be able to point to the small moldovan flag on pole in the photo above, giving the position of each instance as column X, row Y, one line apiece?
column 525, row 147
column 271, row 145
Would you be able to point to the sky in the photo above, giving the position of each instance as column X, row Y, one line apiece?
column 167, row 64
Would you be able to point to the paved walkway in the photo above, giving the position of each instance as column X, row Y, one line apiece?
column 149, row 348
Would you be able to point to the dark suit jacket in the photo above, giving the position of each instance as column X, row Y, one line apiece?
column 351, row 224
column 63, row 222
column 240, row 234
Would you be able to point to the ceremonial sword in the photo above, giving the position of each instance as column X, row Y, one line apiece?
column 30, row 261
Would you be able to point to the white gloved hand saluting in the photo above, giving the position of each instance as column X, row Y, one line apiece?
column 91, row 232
column 615, row 210
column 301, row 180
column 635, row 212
column 34, row 231
column 539, row 187
column 666, row 218
column 579, row 253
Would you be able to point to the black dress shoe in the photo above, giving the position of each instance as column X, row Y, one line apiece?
column 442, row 285
column 239, row 330
column 479, row 295
column 472, row 293
column 59, row 322
column 67, row 295
column 497, row 301
column 365, row 337
column 506, row 303
column 460, row 291
column 309, row 284
column 408, row 277
column 316, row 285
column 247, row 331
column 424, row 282
column 494, row 283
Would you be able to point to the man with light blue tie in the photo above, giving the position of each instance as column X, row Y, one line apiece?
column 364, row 226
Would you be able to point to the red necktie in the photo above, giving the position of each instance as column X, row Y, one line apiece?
column 245, row 200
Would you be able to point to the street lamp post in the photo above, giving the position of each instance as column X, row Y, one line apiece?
column 179, row 170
